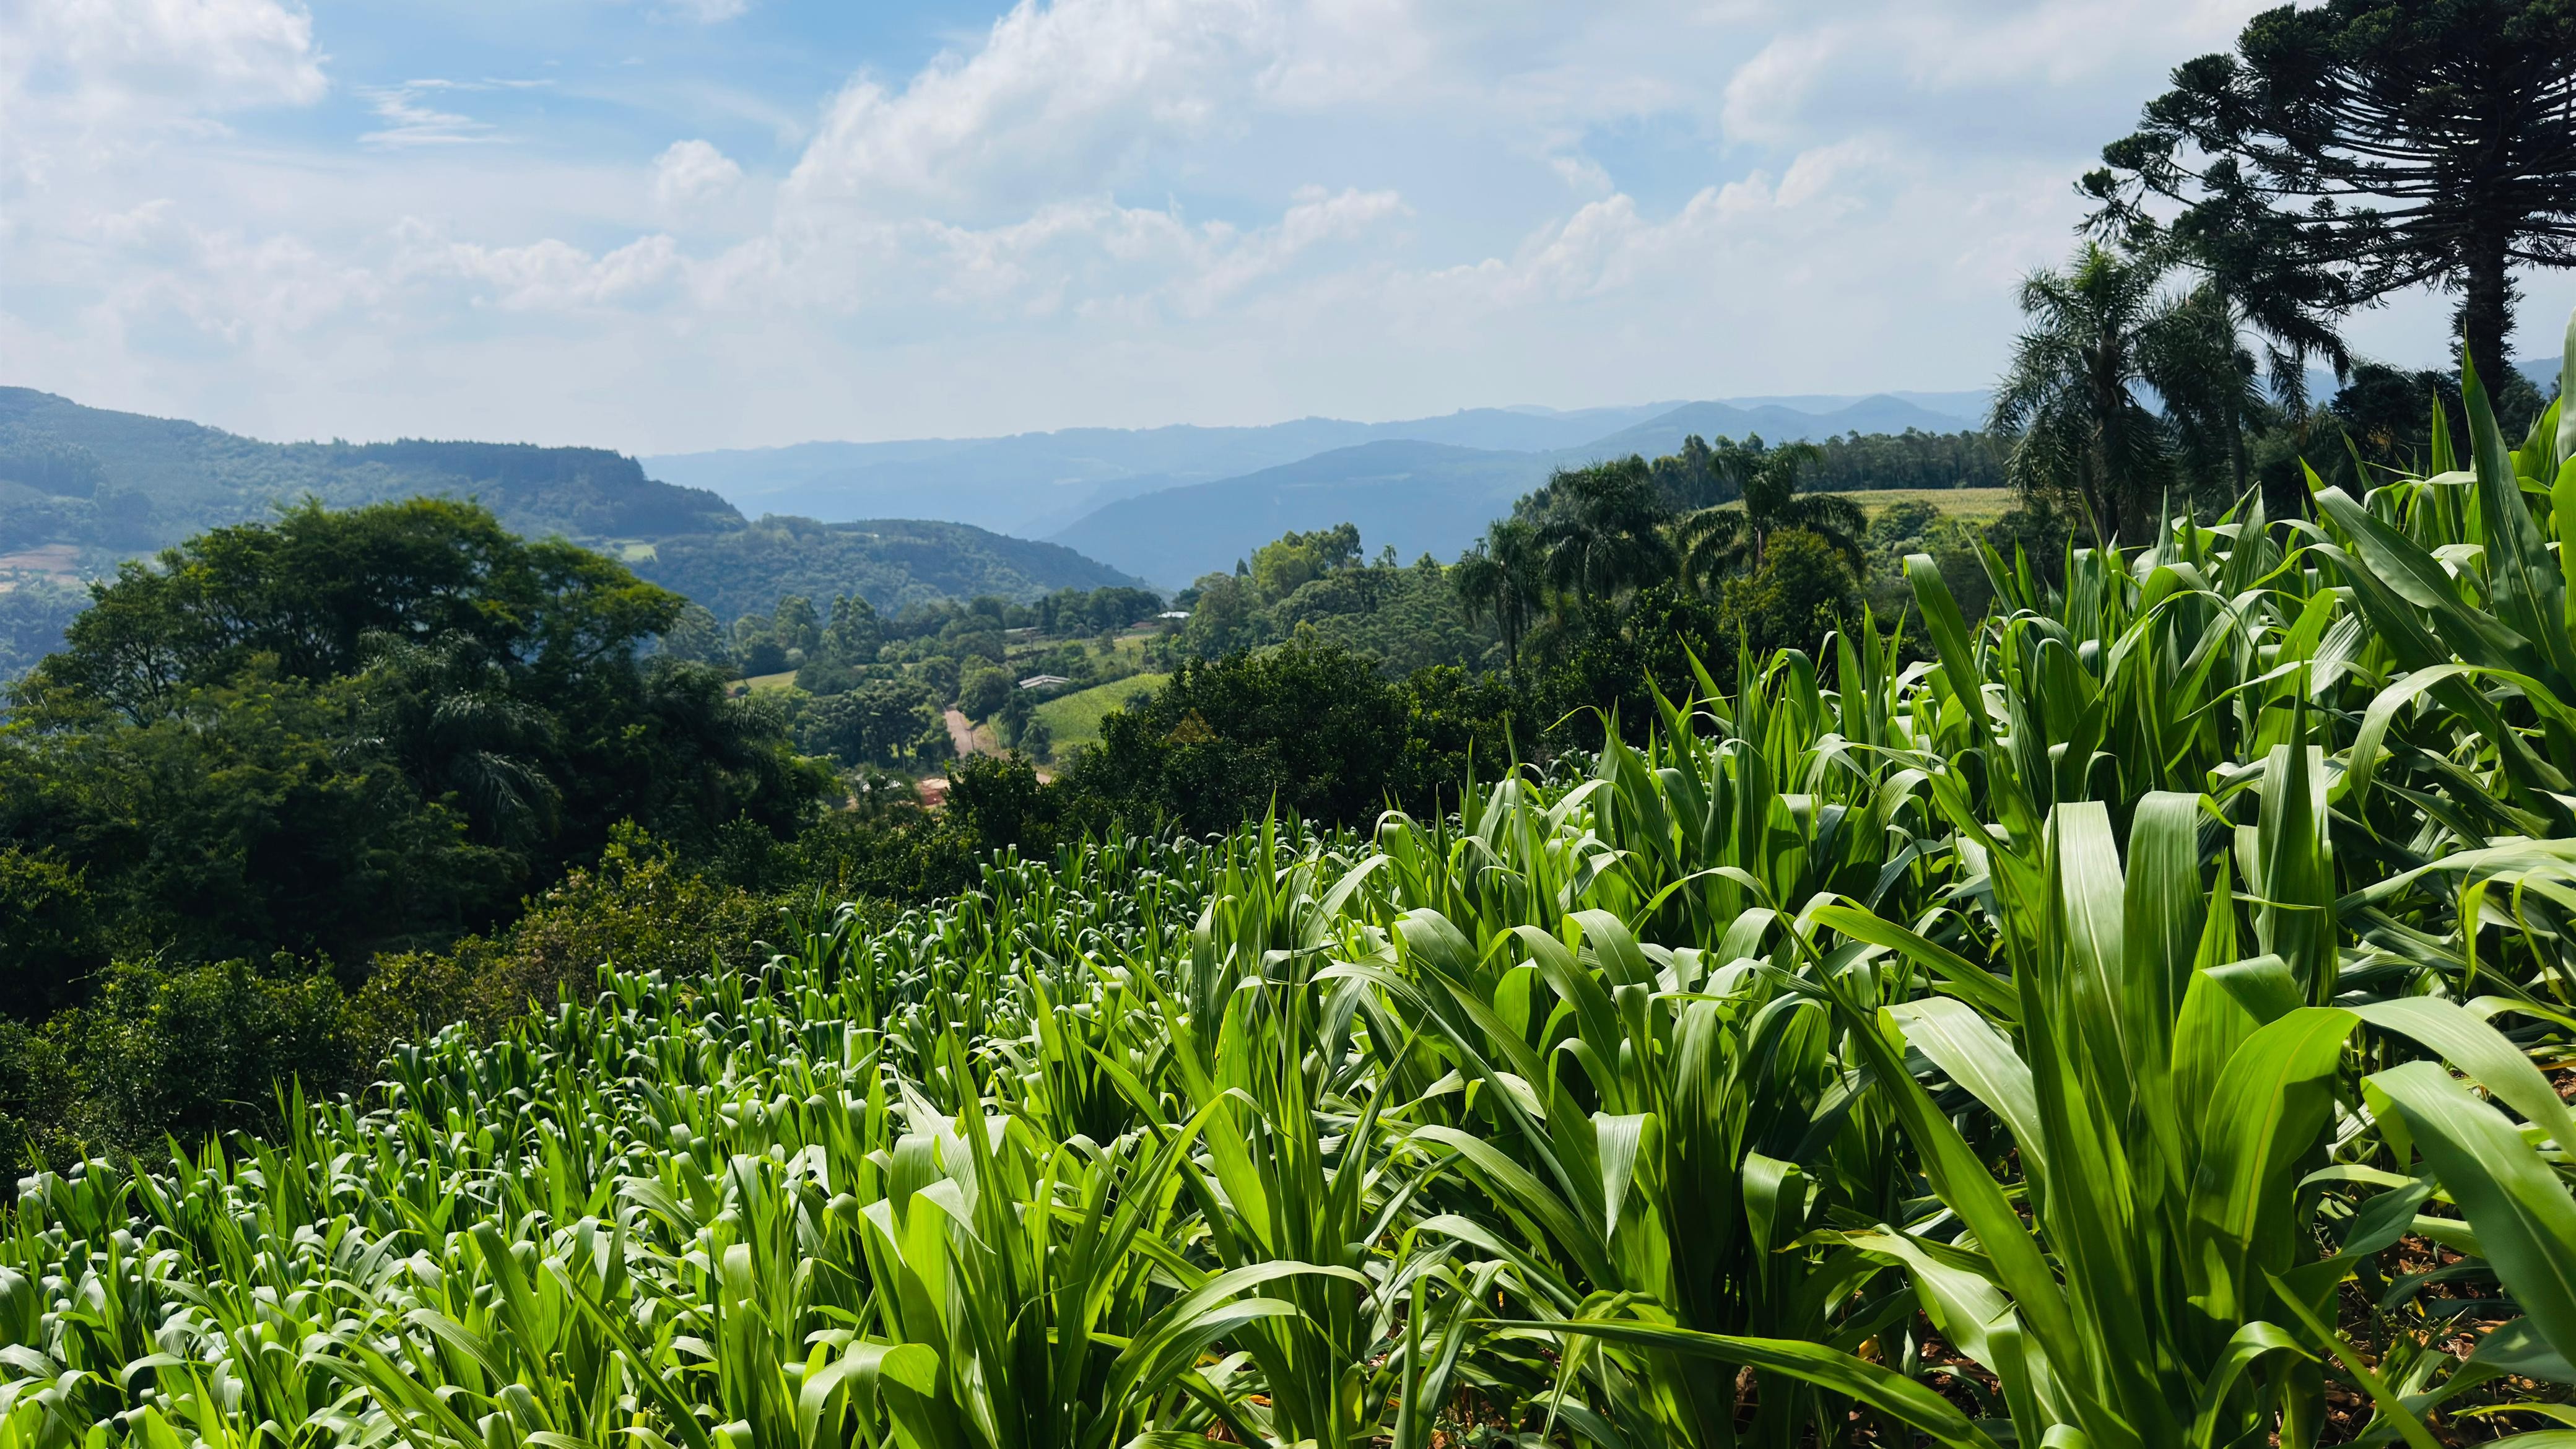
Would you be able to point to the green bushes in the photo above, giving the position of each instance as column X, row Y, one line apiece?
column 1306, row 728
column 189, row 1053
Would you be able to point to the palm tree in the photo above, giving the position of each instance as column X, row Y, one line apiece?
column 2102, row 334
column 1730, row 539
column 1502, row 579
column 1602, row 530
column 449, row 714
column 2198, row 361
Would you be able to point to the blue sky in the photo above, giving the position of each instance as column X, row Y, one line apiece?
column 659, row 225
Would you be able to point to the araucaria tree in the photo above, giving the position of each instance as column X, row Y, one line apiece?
column 2362, row 147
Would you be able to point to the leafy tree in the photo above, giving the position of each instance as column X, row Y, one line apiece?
column 318, row 589
column 1225, row 615
column 2354, row 149
column 1803, row 590
column 881, row 722
column 1606, row 670
column 1289, row 562
column 696, row 636
column 981, row 689
column 1077, row 611
column 461, row 732
column 756, row 650
column 1404, row 618
column 1310, row 726
column 245, row 817
column 795, row 625
column 2208, row 379
column 856, row 632
column 1731, row 539
column 345, row 732
column 50, row 941
column 197, row 1050
column 2388, row 413
column 849, row 644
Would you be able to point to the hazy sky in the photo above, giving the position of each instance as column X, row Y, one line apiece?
column 670, row 224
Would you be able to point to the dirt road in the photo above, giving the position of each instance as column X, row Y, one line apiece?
column 961, row 733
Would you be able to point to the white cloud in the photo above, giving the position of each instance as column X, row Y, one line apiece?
column 692, row 173
column 86, row 82
column 1765, row 91
column 708, row 12
column 1094, row 211
column 1058, row 98
column 197, row 54
column 413, row 119
column 547, row 275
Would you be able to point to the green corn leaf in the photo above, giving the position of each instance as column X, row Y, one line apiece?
column 1894, row 1395
column 2524, row 1219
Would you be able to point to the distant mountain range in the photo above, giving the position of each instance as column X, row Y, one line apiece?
column 1417, row 497
column 83, row 487
column 1172, row 503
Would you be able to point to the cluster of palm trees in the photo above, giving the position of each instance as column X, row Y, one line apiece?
column 1593, row 535
column 2126, row 390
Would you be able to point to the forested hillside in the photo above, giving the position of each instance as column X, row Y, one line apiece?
column 893, row 563
column 119, row 483
column 1431, row 498
column 83, row 488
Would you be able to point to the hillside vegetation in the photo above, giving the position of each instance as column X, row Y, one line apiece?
column 82, row 489
column 1728, row 962
column 118, row 483
column 1429, row 498
column 2126, row 1025
column 893, row 563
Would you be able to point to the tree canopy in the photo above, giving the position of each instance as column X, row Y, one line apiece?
column 2354, row 149
column 345, row 731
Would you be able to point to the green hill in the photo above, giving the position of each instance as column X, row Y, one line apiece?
column 83, row 488
column 111, row 484
column 893, row 562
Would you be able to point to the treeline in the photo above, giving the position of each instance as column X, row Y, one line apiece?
column 1911, row 459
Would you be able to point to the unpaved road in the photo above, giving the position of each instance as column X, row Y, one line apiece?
column 961, row 733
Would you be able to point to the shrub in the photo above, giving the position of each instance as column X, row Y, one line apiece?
column 190, row 1053
column 639, row 908
column 1308, row 726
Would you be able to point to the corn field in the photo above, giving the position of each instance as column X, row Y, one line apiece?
column 2128, row 1026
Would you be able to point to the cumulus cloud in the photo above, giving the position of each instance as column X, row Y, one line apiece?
column 199, row 54
column 693, row 173
column 1111, row 211
column 546, row 275
column 1067, row 90
column 86, row 81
